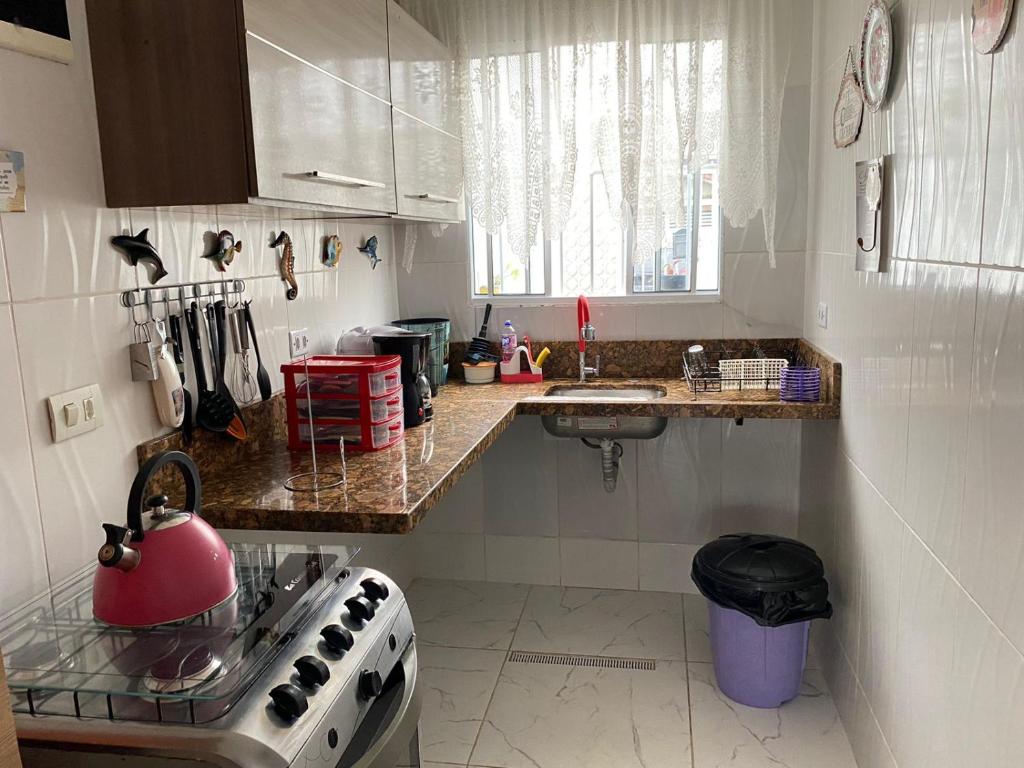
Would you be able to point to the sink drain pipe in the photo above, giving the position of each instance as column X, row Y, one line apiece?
column 611, row 452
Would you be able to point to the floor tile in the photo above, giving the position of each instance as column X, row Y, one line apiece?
column 466, row 614
column 602, row 622
column 803, row 733
column 698, row 635
column 457, row 684
column 545, row 716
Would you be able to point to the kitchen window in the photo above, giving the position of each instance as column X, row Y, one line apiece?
column 592, row 254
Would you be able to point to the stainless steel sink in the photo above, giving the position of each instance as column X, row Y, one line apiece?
column 598, row 427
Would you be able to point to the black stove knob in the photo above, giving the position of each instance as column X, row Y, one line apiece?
column 338, row 638
column 370, row 684
column 360, row 608
column 289, row 701
column 312, row 671
column 375, row 589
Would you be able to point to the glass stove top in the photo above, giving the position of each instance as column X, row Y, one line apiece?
column 62, row 661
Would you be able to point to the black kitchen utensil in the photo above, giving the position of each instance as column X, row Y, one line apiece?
column 220, row 311
column 213, row 413
column 480, row 348
column 179, row 361
column 262, row 377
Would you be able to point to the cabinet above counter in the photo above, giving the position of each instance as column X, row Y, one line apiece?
column 260, row 103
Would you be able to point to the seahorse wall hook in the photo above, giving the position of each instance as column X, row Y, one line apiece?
column 287, row 264
column 138, row 248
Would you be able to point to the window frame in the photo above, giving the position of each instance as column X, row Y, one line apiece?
column 692, row 296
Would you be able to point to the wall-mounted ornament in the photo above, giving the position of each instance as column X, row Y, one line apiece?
column 849, row 111
column 224, row 250
column 875, row 54
column 12, row 181
column 989, row 21
column 870, row 194
column 287, row 264
column 370, row 249
column 137, row 248
column 331, row 255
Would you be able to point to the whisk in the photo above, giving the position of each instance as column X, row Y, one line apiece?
column 245, row 383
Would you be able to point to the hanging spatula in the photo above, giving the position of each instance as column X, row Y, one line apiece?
column 262, row 377
column 213, row 412
column 179, row 361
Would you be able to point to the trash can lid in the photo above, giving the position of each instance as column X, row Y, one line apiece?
column 759, row 563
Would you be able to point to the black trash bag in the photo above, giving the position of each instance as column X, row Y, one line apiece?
column 773, row 580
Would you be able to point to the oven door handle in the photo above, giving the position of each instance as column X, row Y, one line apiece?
column 394, row 742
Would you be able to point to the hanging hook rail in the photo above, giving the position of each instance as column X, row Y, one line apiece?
column 182, row 293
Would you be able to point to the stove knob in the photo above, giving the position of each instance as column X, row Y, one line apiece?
column 338, row 638
column 289, row 701
column 370, row 684
column 375, row 589
column 360, row 608
column 312, row 671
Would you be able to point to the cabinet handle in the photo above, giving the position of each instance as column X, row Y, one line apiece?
column 428, row 198
column 348, row 181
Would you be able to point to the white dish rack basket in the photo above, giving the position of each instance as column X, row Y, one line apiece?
column 761, row 371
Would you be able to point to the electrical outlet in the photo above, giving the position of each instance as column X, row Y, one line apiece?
column 822, row 315
column 75, row 412
column 298, row 342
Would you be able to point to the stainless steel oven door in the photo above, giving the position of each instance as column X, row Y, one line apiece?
column 388, row 736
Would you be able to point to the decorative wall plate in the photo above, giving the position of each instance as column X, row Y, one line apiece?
column 990, row 20
column 875, row 54
column 849, row 112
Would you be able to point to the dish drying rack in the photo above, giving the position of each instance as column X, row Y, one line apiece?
column 762, row 373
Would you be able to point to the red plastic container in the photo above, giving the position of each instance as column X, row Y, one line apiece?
column 357, row 397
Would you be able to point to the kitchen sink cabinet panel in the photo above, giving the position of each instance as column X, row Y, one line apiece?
column 428, row 171
column 422, row 72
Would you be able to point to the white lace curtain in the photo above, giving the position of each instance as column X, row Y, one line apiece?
column 652, row 89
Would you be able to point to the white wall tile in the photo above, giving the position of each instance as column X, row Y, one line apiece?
column 992, row 529
column 666, row 567
column 441, row 290
column 845, row 583
column 461, row 510
column 522, row 559
column 762, row 301
column 679, row 482
column 5, row 291
column 869, row 745
column 180, row 237
column 818, row 459
column 21, row 547
column 256, row 230
column 585, row 508
column 599, row 563
column 520, row 475
column 456, row 556
column 692, row 320
column 760, row 477
column 613, row 322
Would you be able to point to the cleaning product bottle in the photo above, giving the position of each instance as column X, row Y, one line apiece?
column 509, row 341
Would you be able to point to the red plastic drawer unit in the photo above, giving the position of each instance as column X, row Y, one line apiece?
column 358, row 397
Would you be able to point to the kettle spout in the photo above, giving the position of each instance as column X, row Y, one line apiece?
column 116, row 553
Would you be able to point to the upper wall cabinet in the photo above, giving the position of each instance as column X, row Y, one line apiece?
column 422, row 72
column 232, row 101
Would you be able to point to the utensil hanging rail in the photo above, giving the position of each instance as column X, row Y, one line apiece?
column 182, row 292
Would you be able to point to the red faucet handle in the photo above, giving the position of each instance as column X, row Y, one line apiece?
column 582, row 318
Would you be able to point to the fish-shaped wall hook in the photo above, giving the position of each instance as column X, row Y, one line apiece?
column 287, row 264
column 138, row 248
column 370, row 249
column 226, row 250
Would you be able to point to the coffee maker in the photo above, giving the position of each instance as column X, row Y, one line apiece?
column 414, row 349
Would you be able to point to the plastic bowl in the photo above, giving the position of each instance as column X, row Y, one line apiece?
column 481, row 373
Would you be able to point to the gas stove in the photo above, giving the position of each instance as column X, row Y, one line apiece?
column 311, row 663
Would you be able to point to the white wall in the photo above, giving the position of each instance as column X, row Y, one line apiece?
column 915, row 499
column 756, row 301
column 61, row 325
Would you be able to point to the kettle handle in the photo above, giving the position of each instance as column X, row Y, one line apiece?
column 193, row 487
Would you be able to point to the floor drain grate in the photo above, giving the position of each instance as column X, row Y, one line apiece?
column 573, row 660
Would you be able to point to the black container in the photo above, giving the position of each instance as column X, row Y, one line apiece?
column 414, row 349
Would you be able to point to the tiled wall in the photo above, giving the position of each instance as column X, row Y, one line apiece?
column 534, row 509
column 915, row 499
column 61, row 325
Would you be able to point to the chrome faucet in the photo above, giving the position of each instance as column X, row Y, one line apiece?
column 586, row 333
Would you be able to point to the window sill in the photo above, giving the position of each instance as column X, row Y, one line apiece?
column 567, row 301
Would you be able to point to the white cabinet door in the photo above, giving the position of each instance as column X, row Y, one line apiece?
column 316, row 139
column 422, row 72
column 347, row 39
column 428, row 171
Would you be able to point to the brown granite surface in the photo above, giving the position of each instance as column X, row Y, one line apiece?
column 390, row 491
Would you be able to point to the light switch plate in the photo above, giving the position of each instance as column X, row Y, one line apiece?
column 75, row 412
column 298, row 342
column 822, row 315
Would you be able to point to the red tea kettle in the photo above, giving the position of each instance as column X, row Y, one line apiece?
column 166, row 565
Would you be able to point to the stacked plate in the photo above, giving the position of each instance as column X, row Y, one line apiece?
column 800, row 385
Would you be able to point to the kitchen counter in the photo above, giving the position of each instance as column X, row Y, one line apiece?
column 390, row 491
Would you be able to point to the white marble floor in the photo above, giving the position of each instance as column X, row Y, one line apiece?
column 483, row 711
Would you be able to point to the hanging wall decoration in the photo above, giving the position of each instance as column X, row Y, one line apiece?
column 331, row 254
column 224, row 250
column 990, row 20
column 287, row 264
column 370, row 249
column 870, row 192
column 849, row 112
column 138, row 249
column 875, row 54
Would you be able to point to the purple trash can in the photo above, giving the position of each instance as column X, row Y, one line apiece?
column 762, row 593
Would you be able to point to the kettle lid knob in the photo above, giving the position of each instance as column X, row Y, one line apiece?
column 157, row 502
